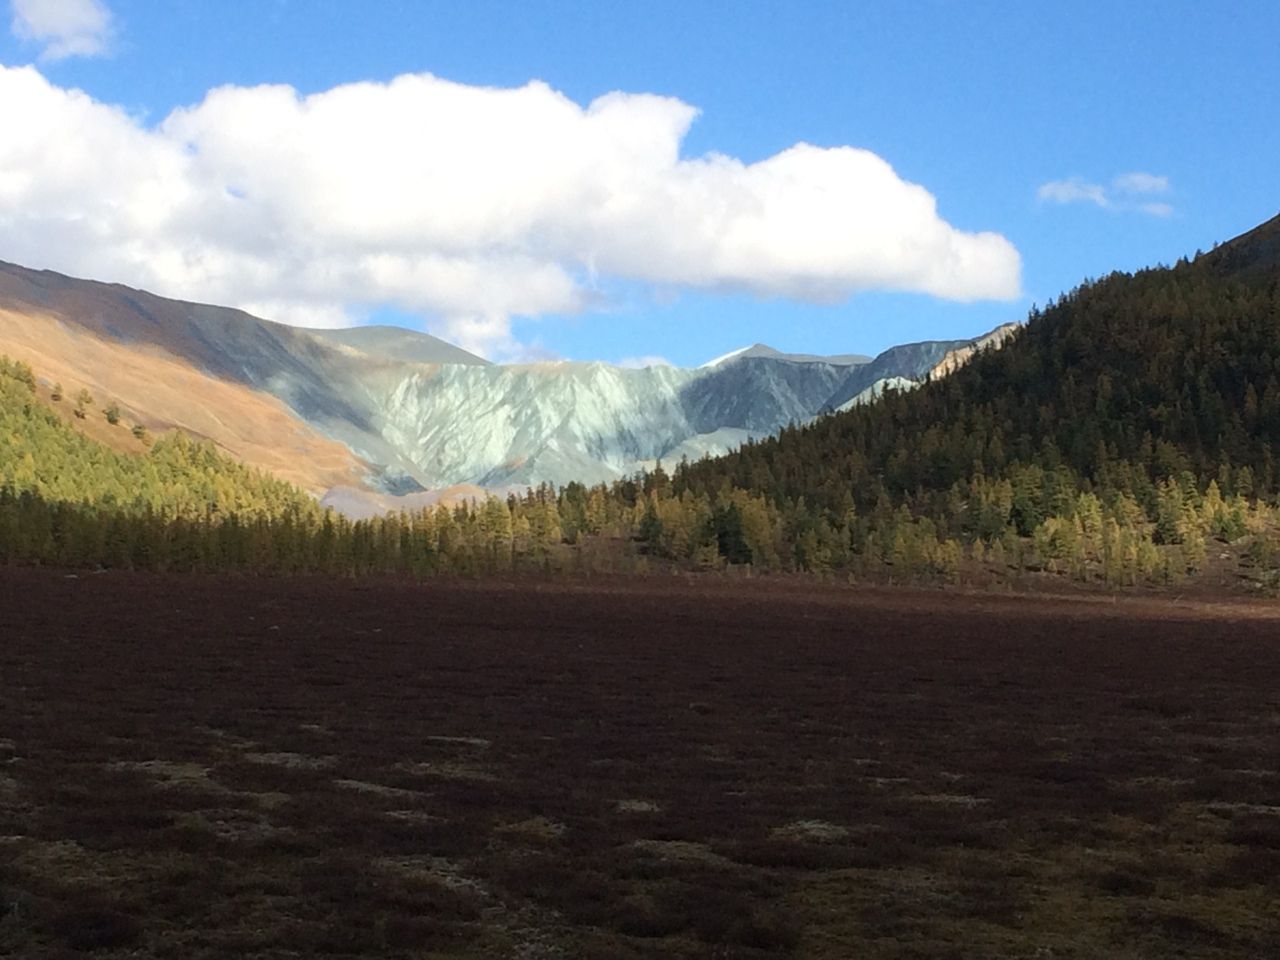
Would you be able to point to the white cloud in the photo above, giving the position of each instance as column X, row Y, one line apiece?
column 1122, row 194
column 464, row 205
column 1074, row 190
column 1141, row 183
column 67, row 28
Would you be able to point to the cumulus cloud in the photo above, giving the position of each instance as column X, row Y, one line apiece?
column 1125, row 192
column 464, row 205
column 67, row 28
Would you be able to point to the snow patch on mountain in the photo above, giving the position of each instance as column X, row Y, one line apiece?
column 724, row 358
column 876, row 390
column 761, row 350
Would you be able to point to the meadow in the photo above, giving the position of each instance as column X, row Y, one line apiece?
column 664, row 767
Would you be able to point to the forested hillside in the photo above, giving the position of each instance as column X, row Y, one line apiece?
column 1147, row 403
column 179, row 477
column 1124, row 381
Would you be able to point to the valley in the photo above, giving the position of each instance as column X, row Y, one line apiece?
column 1123, row 437
column 498, row 481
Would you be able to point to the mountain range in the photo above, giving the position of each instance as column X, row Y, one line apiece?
column 1125, row 432
column 365, row 412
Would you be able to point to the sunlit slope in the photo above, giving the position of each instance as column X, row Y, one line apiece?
column 160, row 391
column 45, row 457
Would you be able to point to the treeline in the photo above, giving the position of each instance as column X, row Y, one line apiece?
column 1036, row 520
column 468, row 539
column 601, row 531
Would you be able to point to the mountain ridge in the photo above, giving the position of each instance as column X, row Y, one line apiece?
column 399, row 344
column 408, row 412
column 768, row 352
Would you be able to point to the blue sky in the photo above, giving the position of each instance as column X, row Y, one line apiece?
column 1023, row 120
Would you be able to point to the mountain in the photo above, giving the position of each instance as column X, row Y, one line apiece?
column 898, row 368
column 769, row 353
column 171, row 364
column 908, row 361
column 1111, row 438
column 876, row 390
column 397, row 343
column 362, row 504
column 394, row 411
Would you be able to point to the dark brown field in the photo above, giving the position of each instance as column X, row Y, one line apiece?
column 233, row 767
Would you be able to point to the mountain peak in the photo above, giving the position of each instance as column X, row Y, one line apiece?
column 765, row 352
column 735, row 354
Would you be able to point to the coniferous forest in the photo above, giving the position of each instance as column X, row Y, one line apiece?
column 1123, row 431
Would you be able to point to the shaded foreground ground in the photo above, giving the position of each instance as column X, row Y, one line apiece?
column 207, row 767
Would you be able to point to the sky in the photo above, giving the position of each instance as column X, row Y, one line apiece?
column 634, row 183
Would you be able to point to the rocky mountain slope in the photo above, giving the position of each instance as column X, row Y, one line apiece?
column 392, row 410
column 954, row 359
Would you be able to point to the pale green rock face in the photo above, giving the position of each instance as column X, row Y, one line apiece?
column 516, row 425
column 427, row 415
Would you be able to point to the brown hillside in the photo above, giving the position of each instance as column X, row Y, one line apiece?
column 161, row 391
column 118, row 436
column 112, row 311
